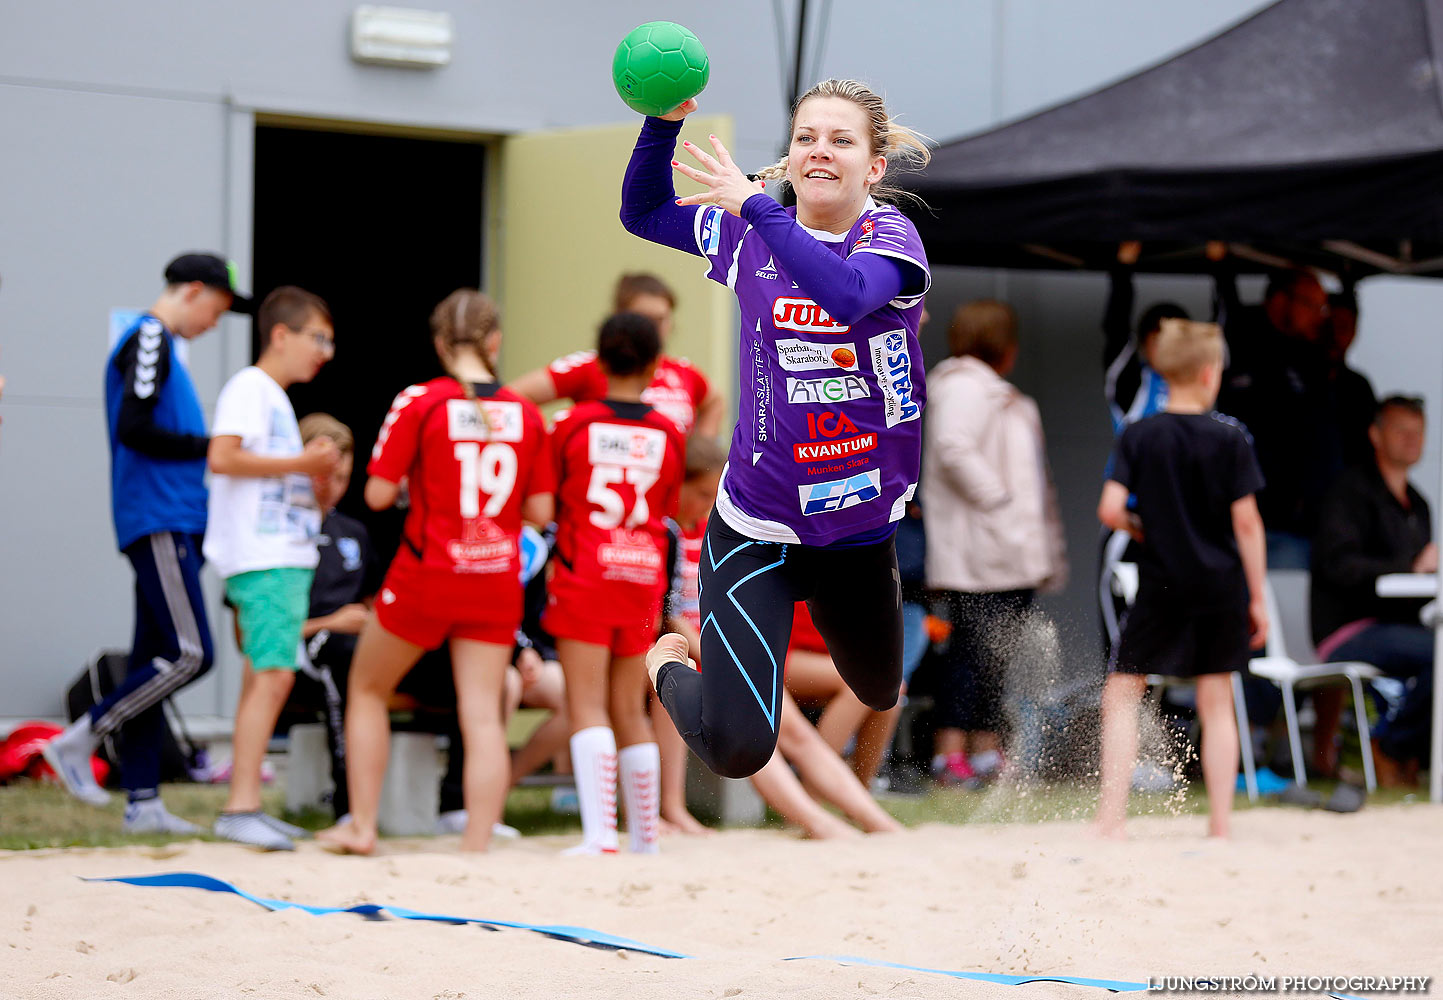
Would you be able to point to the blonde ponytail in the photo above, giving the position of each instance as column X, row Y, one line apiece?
column 465, row 318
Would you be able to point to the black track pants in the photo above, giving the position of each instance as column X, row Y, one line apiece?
column 729, row 712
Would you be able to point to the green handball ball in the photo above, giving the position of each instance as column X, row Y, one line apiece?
column 659, row 66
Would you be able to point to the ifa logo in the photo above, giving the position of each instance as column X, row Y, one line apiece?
column 839, row 494
column 833, row 435
column 804, row 316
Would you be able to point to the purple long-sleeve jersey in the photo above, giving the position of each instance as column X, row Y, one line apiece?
column 828, row 439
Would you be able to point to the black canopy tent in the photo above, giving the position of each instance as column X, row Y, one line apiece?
column 1311, row 132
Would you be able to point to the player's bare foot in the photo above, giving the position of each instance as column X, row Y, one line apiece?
column 1109, row 831
column 346, row 838
column 888, row 824
column 830, row 828
column 670, row 648
column 683, row 822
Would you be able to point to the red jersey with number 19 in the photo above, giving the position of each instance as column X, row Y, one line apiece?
column 468, row 478
column 619, row 469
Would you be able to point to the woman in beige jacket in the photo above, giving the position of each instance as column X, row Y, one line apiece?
column 994, row 537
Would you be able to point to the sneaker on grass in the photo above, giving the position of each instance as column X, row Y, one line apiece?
column 151, row 816
column 251, row 828
column 69, row 757
column 284, row 828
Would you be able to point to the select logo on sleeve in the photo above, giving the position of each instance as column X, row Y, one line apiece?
column 893, row 367
column 832, row 435
column 837, row 389
column 839, row 494
column 801, row 356
column 804, row 316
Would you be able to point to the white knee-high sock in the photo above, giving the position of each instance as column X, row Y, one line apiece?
column 593, row 758
column 640, row 784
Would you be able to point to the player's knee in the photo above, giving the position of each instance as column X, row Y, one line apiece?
column 743, row 758
column 880, row 698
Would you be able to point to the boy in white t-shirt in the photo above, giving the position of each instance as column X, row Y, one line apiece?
column 262, row 535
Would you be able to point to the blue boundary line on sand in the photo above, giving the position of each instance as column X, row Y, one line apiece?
column 594, row 938
column 578, row 935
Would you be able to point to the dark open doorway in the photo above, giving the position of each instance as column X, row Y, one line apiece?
column 382, row 228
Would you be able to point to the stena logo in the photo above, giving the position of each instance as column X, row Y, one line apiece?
column 893, row 367
column 839, row 389
column 839, row 494
column 804, row 316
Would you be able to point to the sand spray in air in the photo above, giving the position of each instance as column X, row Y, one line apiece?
column 1054, row 735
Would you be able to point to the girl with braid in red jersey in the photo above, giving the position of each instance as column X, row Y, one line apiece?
column 477, row 460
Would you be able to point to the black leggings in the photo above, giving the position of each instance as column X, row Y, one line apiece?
column 729, row 712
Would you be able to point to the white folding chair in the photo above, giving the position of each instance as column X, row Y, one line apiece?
column 1287, row 597
column 1122, row 579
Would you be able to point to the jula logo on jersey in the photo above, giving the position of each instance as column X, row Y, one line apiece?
column 804, row 316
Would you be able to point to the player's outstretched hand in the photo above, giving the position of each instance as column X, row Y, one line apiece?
column 726, row 185
column 681, row 111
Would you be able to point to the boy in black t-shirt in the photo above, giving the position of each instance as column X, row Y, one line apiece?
column 1202, row 564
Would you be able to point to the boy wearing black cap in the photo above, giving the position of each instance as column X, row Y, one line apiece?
column 158, row 447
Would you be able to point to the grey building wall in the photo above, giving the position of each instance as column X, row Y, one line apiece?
column 125, row 136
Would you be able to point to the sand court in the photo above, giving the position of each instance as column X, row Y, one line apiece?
column 1294, row 894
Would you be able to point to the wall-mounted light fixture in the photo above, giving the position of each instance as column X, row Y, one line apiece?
column 395, row 36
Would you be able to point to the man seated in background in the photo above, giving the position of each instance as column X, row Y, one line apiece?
column 1371, row 523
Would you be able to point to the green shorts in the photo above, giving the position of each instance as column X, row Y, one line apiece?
column 270, row 610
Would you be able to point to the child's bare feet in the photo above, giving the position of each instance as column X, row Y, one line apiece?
column 670, row 648
column 346, row 838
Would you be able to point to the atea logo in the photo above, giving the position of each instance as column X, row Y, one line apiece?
column 805, row 316
column 827, row 390
column 892, row 365
column 826, row 430
column 824, row 498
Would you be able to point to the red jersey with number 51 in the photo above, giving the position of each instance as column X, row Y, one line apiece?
column 467, row 477
column 619, row 469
